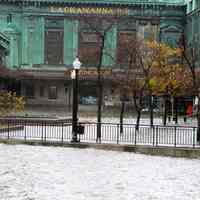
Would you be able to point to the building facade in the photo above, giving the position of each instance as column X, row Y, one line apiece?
column 193, row 26
column 42, row 38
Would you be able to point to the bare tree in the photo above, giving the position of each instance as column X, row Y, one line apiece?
column 100, row 26
column 191, row 58
column 134, row 81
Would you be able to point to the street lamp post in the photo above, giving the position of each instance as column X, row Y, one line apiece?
column 74, row 76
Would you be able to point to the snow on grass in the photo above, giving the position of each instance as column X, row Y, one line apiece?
column 143, row 120
column 55, row 173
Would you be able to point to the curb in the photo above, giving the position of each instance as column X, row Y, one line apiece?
column 148, row 150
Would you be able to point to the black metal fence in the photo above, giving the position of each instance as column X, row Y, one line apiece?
column 158, row 135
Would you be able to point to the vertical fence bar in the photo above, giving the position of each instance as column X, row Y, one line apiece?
column 194, row 138
column 45, row 136
column 153, row 136
column 62, row 133
column 156, row 136
column 118, row 131
column 25, row 130
column 8, row 136
column 42, row 131
column 175, row 137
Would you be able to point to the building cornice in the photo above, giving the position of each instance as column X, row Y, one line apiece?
column 194, row 12
column 99, row 2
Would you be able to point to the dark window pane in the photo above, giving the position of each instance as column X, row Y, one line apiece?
column 89, row 48
column 41, row 91
column 29, row 90
column 54, row 46
column 52, row 93
column 54, row 40
column 88, row 93
column 125, row 49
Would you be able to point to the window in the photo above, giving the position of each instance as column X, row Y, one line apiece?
column 52, row 93
column 125, row 49
column 89, row 48
column 90, row 42
column 2, row 56
column 54, row 47
column 9, row 18
column 198, row 3
column 41, row 91
column 54, row 41
column 126, row 41
column 88, row 93
column 29, row 90
column 147, row 31
column 190, row 6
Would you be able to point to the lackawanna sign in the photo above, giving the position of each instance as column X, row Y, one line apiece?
column 91, row 73
column 90, row 10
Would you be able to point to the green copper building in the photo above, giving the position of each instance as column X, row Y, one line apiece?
column 41, row 38
column 193, row 23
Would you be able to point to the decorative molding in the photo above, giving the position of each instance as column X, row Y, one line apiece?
column 4, row 41
column 172, row 28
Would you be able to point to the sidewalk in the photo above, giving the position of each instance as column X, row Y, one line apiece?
column 89, row 113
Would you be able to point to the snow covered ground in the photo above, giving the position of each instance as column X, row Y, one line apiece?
column 56, row 173
column 143, row 120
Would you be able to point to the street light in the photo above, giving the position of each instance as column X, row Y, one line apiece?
column 74, row 77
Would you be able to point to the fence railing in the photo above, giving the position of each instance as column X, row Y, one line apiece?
column 157, row 135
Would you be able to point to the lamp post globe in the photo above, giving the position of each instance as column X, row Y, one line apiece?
column 74, row 76
column 77, row 63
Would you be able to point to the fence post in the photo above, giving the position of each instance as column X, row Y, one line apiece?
column 8, row 137
column 45, row 126
column 175, row 136
column 156, row 135
column 118, row 130
column 153, row 135
column 42, row 131
column 194, row 137
column 25, row 130
column 62, row 133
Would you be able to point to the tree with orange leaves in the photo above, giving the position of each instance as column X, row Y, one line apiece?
column 169, row 78
column 10, row 102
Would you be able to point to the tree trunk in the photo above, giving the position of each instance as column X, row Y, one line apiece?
column 176, row 110
column 138, row 120
column 138, row 108
column 99, row 113
column 151, row 109
column 165, row 111
column 172, row 108
column 122, row 116
column 100, row 91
